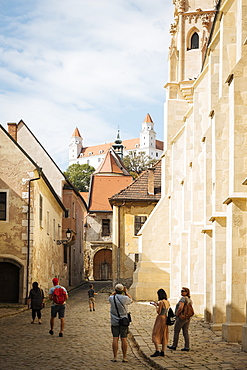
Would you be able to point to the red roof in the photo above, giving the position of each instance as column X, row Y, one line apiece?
column 76, row 133
column 103, row 187
column 112, row 164
column 148, row 119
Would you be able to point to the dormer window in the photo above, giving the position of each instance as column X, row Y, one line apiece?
column 194, row 42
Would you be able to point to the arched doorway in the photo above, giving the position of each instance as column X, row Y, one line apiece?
column 102, row 265
column 9, row 282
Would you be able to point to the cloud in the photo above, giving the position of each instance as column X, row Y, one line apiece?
column 95, row 64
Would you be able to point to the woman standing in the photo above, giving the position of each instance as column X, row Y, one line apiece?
column 160, row 329
column 36, row 301
column 182, row 324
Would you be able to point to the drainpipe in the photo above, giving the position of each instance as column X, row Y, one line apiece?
column 118, row 246
column 28, row 228
column 118, row 243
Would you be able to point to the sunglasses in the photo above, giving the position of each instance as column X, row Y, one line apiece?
column 183, row 291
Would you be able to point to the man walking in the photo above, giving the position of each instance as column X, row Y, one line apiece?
column 58, row 294
column 118, row 301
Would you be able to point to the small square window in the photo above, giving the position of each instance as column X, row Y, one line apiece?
column 139, row 221
column 3, row 206
column 105, row 227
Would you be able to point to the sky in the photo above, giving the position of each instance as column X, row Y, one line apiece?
column 99, row 65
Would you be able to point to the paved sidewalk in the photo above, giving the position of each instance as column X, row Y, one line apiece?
column 208, row 350
column 87, row 340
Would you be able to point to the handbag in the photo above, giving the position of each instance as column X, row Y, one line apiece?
column 187, row 312
column 123, row 321
column 170, row 320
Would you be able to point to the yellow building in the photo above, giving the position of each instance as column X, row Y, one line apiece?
column 131, row 209
column 202, row 216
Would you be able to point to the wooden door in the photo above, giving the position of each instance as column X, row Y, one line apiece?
column 102, row 266
column 9, row 282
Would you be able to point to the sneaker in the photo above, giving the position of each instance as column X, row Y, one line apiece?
column 185, row 349
column 51, row 332
column 60, row 334
column 155, row 354
column 172, row 347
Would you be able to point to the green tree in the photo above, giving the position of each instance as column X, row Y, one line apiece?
column 79, row 175
column 137, row 162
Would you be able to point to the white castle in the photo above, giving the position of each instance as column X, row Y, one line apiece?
column 93, row 155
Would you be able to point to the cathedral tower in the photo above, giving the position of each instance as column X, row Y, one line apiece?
column 189, row 36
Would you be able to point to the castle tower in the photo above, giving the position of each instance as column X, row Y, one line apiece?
column 147, row 135
column 75, row 146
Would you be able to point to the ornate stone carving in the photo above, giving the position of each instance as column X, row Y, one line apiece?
column 173, row 29
column 180, row 5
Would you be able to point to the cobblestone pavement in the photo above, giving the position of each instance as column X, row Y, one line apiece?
column 86, row 343
column 87, row 340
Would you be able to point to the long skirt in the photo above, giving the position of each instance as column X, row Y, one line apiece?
column 160, row 330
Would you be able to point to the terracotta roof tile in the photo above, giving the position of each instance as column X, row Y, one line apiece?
column 130, row 144
column 112, row 164
column 138, row 190
column 148, row 119
column 84, row 195
column 103, row 187
column 76, row 133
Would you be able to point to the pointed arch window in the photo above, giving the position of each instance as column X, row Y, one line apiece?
column 194, row 44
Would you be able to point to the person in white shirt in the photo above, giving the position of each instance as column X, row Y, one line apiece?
column 121, row 298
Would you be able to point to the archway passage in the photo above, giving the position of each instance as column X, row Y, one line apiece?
column 9, row 282
column 102, row 265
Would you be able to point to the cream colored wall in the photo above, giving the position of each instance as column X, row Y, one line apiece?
column 46, row 257
column 153, row 270
column 37, row 153
column 203, row 169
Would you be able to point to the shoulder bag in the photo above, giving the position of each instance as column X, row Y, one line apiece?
column 124, row 321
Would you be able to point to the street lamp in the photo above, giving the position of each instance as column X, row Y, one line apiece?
column 68, row 236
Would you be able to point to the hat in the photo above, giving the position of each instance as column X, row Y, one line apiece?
column 55, row 281
column 119, row 287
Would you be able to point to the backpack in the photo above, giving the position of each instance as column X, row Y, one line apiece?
column 187, row 312
column 170, row 320
column 59, row 295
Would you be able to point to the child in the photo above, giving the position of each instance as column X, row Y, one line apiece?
column 91, row 294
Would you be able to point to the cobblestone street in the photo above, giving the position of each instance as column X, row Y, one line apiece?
column 86, row 343
column 87, row 340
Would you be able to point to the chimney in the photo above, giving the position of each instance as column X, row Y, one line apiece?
column 151, row 181
column 12, row 130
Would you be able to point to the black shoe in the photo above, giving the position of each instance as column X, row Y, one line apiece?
column 172, row 347
column 155, row 354
column 60, row 334
column 185, row 349
column 51, row 332
column 162, row 353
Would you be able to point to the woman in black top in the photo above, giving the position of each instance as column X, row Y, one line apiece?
column 36, row 301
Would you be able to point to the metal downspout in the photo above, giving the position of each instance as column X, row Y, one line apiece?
column 118, row 247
